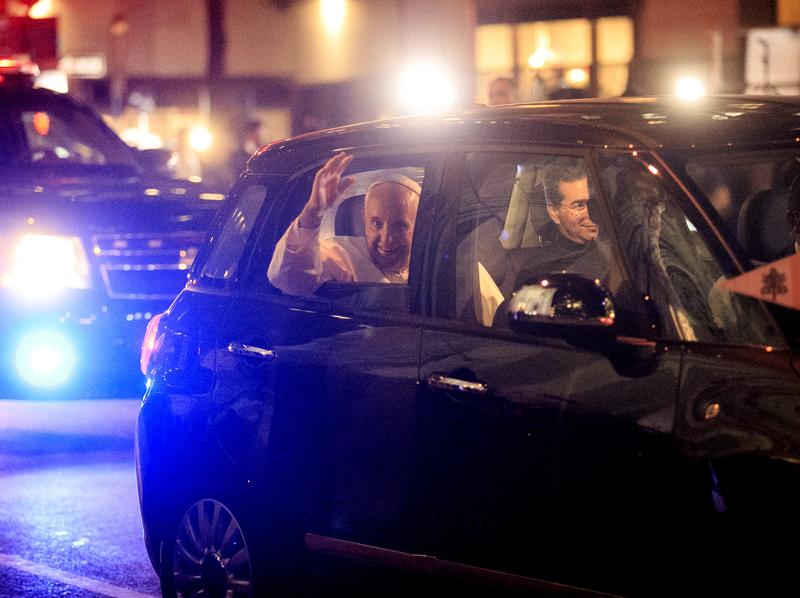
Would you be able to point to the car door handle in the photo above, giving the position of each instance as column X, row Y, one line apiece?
column 251, row 351
column 440, row 381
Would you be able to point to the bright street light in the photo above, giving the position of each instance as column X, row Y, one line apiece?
column 43, row 9
column 333, row 14
column 689, row 88
column 426, row 87
column 200, row 138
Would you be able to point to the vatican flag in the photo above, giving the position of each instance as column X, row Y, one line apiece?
column 778, row 282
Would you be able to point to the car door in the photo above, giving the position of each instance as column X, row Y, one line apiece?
column 737, row 407
column 317, row 396
column 545, row 449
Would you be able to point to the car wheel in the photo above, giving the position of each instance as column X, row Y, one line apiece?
column 207, row 555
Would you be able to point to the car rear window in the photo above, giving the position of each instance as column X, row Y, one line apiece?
column 750, row 192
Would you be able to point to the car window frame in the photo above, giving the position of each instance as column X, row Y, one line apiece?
column 290, row 199
column 437, row 305
column 704, row 219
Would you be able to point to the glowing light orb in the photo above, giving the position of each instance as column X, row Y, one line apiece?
column 45, row 358
column 689, row 88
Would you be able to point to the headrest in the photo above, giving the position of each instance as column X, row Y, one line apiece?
column 350, row 217
column 762, row 229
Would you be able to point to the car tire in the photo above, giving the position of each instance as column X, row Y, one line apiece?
column 225, row 543
column 207, row 553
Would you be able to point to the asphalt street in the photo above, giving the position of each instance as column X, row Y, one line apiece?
column 69, row 517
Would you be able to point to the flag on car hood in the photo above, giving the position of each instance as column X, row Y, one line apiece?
column 777, row 282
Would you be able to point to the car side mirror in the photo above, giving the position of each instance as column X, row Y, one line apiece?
column 582, row 312
column 564, row 305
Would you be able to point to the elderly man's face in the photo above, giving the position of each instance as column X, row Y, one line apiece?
column 572, row 216
column 390, row 211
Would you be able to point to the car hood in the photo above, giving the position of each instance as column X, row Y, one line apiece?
column 105, row 203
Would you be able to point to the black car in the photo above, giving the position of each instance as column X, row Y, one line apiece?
column 507, row 419
column 92, row 246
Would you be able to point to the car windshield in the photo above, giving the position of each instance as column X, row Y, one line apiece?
column 55, row 134
column 750, row 192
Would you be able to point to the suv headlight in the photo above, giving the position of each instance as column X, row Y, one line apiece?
column 39, row 265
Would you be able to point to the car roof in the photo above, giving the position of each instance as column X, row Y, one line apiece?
column 619, row 123
column 24, row 92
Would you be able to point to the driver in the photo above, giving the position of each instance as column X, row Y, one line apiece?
column 302, row 261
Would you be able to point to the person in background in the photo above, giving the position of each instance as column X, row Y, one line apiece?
column 501, row 91
column 310, row 121
column 250, row 139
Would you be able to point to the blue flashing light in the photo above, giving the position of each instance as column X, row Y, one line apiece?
column 45, row 358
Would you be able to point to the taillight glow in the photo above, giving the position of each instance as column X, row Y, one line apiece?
column 149, row 343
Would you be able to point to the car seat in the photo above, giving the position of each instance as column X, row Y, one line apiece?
column 762, row 229
column 349, row 221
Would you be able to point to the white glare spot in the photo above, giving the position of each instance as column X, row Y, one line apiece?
column 200, row 138
column 333, row 13
column 426, row 87
column 690, row 88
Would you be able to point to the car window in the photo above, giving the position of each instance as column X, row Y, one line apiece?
column 227, row 249
column 670, row 260
column 9, row 142
column 359, row 255
column 520, row 215
column 750, row 192
column 56, row 136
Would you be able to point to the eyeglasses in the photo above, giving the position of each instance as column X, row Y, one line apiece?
column 579, row 205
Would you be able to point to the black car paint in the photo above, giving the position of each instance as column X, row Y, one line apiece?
column 566, row 472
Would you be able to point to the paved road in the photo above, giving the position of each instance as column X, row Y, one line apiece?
column 69, row 519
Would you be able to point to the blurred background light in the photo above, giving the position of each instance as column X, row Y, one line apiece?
column 53, row 79
column 577, row 77
column 426, row 87
column 43, row 265
column 200, row 138
column 43, row 9
column 41, row 123
column 541, row 57
column 689, row 88
column 45, row 358
column 333, row 14
column 135, row 137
